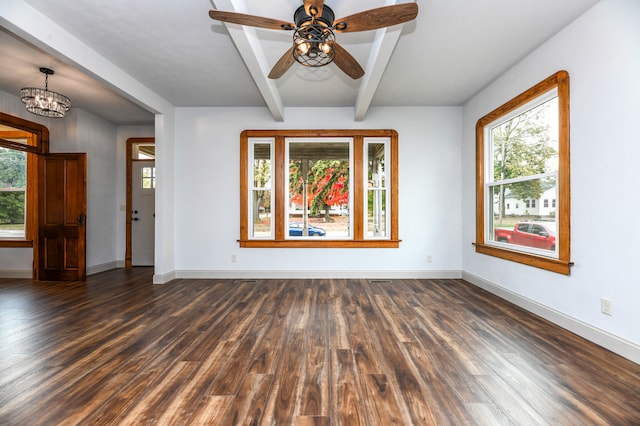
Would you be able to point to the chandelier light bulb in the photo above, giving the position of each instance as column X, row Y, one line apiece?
column 302, row 47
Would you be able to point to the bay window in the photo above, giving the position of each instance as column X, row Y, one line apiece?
column 318, row 188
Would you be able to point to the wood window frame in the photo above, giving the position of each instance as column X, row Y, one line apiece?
column 359, row 191
column 37, row 137
column 562, row 265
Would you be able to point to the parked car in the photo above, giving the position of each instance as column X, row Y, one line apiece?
column 531, row 234
column 295, row 230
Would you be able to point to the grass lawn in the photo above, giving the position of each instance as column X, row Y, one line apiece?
column 11, row 226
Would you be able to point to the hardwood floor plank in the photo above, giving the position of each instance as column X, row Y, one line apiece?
column 232, row 372
column 195, row 397
column 312, row 421
column 380, row 405
column 509, row 400
column 216, row 409
column 393, row 319
column 338, row 325
column 348, row 408
column 249, row 404
column 117, row 349
column 487, row 415
column 191, row 400
column 438, row 387
column 283, row 396
column 267, row 353
column 150, row 408
column 314, row 392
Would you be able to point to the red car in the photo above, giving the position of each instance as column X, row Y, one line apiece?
column 540, row 235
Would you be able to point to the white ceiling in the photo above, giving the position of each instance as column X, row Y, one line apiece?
column 451, row 51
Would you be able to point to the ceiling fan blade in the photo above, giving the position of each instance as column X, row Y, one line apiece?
column 317, row 4
column 347, row 63
column 251, row 20
column 381, row 17
column 283, row 64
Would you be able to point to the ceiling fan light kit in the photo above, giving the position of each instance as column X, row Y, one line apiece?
column 45, row 102
column 313, row 39
column 314, row 43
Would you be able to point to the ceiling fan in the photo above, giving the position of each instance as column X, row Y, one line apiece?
column 314, row 30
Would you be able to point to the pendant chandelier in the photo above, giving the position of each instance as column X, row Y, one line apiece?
column 43, row 101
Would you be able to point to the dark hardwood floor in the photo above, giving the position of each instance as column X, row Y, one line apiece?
column 118, row 350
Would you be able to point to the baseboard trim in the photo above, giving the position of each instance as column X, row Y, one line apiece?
column 96, row 269
column 16, row 273
column 317, row 274
column 164, row 278
column 615, row 344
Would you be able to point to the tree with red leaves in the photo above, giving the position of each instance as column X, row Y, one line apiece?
column 328, row 183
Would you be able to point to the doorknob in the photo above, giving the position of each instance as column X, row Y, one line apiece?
column 135, row 219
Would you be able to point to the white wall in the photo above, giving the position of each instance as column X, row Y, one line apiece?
column 96, row 138
column 207, row 195
column 601, row 52
column 168, row 142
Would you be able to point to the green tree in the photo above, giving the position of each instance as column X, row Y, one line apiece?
column 13, row 180
column 522, row 147
column 13, row 168
column 12, row 207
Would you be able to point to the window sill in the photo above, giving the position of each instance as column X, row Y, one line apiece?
column 16, row 243
column 547, row 263
column 319, row 243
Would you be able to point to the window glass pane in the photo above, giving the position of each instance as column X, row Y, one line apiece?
column 143, row 151
column 376, row 225
column 262, row 165
column 527, row 144
column 13, row 183
column 262, row 196
column 377, row 213
column 12, row 134
column 148, row 177
column 262, row 223
column 319, row 179
column 532, row 228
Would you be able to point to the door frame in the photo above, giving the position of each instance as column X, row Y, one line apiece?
column 129, row 202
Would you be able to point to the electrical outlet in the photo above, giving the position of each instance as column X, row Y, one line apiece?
column 429, row 258
column 234, row 257
column 605, row 306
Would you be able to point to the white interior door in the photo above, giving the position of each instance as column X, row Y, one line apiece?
column 143, row 184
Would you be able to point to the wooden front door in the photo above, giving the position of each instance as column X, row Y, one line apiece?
column 62, row 217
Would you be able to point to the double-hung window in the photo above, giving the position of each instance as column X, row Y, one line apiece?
column 318, row 188
column 377, row 208
column 260, row 188
column 522, row 152
column 20, row 143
